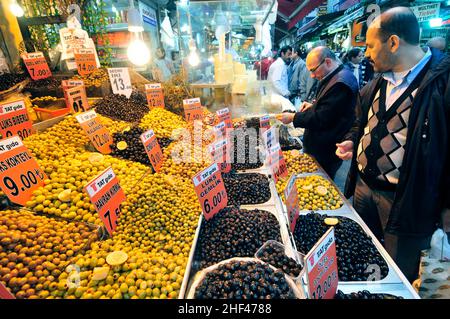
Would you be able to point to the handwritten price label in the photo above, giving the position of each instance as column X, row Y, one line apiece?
column 155, row 96
column 96, row 132
column 14, row 120
column 219, row 152
column 106, row 195
column 153, row 149
column 210, row 191
column 120, row 81
column 321, row 265
column 193, row 110
column 36, row 65
column 20, row 174
column 291, row 196
column 277, row 163
column 225, row 116
column 77, row 100
column 85, row 60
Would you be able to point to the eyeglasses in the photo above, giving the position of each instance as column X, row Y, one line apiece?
column 315, row 69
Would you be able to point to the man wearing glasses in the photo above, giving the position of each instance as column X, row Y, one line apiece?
column 332, row 113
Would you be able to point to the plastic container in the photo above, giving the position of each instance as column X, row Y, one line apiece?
column 50, row 109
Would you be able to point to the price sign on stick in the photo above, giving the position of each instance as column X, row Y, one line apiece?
column 5, row 293
column 153, row 149
column 155, row 96
column 291, row 196
column 210, row 190
column 120, row 81
column 36, row 65
column 270, row 138
column 20, row 174
column 321, row 265
column 219, row 151
column 193, row 110
column 220, row 130
column 277, row 163
column 14, row 120
column 106, row 195
column 225, row 116
column 96, row 132
column 77, row 100
column 85, row 60
column 264, row 122
column 67, row 84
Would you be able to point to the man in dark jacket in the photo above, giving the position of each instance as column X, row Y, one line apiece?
column 401, row 139
column 331, row 115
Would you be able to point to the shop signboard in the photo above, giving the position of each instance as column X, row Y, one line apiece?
column 153, row 149
column 20, row 173
column 14, row 120
column 427, row 11
column 36, row 65
column 120, row 81
column 106, row 195
column 96, row 132
column 155, row 95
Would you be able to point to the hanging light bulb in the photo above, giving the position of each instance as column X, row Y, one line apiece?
column 138, row 52
column 193, row 58
column 16, row 9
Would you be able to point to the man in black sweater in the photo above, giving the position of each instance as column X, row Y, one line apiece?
column 331, row 114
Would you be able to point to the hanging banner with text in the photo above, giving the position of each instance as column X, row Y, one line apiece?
column 210, row 190
column 77, row 100
column 225, row 116
column 193, row 110
column 85, row 60
column 321, row 265
column 291, row 200
column 14, row 120
column 120, row 81
column 20, row 173
column 153, row 149
column 96, row 132
column 106, row 195
column 36, row 65
column 155, row 96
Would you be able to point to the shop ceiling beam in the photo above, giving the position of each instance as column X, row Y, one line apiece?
column 41, row 20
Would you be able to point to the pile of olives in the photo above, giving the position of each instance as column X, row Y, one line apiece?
column 8, row 80
column 235, row 233
column 364, row 295
column 243, row 189
column 273, row 253
column 118, row 107
column 245, row 145
column 358, row 258
column 48, row 86
column 244, row 280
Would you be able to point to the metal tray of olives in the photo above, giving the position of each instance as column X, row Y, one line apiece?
column 400, row 290
column 269, row 202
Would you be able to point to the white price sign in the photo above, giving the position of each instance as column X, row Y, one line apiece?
column 120, row 81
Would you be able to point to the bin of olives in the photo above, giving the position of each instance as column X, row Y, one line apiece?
column 274, row 253
column 119, row 107
column 8, row 81
column 365, row 294
column 246, row 153
column 46, row 87
column 356, row 253
column 298, row 163
column 246, row 188
column 235, row 232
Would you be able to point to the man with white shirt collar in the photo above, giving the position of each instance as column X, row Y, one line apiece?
column 400, row 142
column 278, row 72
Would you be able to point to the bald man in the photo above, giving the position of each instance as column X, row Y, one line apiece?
column 332, row 113
column 437, row 43
column 400, row 143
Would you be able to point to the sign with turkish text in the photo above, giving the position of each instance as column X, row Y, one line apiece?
column 277, row 163
column 85, row 60
column 193, row 109
column 219, row 151
column 96, row 132
column 120, row 81
column 36, row 65
column 155, row 96
column 77, row 100
column 224, row 115
column 426, row 12
column 270, row 138
column 264, row 122
column 153, row 149
column 14, row 120
column 291, row 201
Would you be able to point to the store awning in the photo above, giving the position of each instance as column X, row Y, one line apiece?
column 294, row 10
column 342, row 22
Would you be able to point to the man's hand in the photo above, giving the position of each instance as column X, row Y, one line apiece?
column 305, row 106
column 286, row 117
column 344, row 150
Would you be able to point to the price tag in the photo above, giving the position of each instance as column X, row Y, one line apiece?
column 270, row 138
column 77, row 100
column 67, row 84
column 155, row 96
column 219, row 151
column 153, row 149
column 96, row 132
column 210, row 190
column 277, row 163
column 14, row 120
column 20, row 174
column 321, row 265
column 220, row 130
column 106, row 195
column 85, row 60
column 36, row 65
column 5, row 293
column 120, row 81
column 225, row 115
column 193, row 110
column 291, row 196
column 264, row 122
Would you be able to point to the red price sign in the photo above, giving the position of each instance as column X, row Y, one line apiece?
column 155, row 96
column 20, row 174
column 106, row 195
column 193, row 110
column 36, row 65
column 67, row 84
column 291, row 196
column 153, row 149
column 220, row 130
column 5, row 293
column 210, row 190
column 225, row 116
column 96, row 132
column 264, row 122
column 219, row 151
column 85, row 60
column 77, row 100
column 277, row 163
column 321, row 265
column 14, row 120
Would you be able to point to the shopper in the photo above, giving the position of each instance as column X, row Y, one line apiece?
column 262, row 67
column 308, row 86
column 162, row 69
column 437, row 43
column 329, row 118
column 295, row 70
column 400, row 143
column 352, row 61
column 277, row 76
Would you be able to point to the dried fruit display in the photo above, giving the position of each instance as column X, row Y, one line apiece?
column 175, row 91
column 246, row 188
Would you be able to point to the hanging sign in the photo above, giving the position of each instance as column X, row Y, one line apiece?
column 321, row 265
column 225, row 116
column 14, row 120
column 85, row 60
column 291, row 200
column 106, row 195
column 210, row 190
column 96, row 132
column 36, row 65
column 193, row 109
column 77, row 100
column 120, row 81
column 20, row 173
column 153, row 149
column 155, row 96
